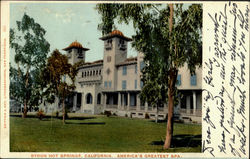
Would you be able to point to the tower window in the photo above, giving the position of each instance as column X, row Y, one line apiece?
column 105, row 84
column 178, row 82
column 141, row 84
column 124, row 70
column 108, row 58
column 121, row 41
column 124, row 84
column 142, row 65
column 135, row 84
column 193, row 80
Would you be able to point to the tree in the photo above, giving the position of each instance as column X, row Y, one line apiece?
column 31, row 49
column 169, row 36
column 59, row 76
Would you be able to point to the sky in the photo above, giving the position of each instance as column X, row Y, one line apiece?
column 65, row 23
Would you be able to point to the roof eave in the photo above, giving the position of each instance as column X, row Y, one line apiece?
column 111, row 36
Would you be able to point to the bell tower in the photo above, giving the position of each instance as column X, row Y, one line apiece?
column 75, row 52
column 115, row 52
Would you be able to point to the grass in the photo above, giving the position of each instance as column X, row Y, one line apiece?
column 99, row 134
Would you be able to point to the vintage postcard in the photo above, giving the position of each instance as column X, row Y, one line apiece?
column 124, row 79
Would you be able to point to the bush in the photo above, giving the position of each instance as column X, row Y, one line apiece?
column 126, row 115
column 107, row 113
column 114, row 114
column 40, row 114
column 147, row 116
column 57, row 114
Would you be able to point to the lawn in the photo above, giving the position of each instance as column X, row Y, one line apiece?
column 99, row 134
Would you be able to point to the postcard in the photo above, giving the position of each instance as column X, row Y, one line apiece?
column 124, row 79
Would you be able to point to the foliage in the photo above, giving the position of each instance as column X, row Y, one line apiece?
column 31, row 49
column 168, row 36
column 146, row 116
column 107, row 113
column 40, row 114
column 59, row 76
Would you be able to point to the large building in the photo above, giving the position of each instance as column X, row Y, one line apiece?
column 113, row 83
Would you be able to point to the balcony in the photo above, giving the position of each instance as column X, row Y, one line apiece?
column 90, row 78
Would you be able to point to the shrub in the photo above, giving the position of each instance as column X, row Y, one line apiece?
column 126, row 115
column 147, row 116
column 114, row 114
column 40, row 114
column 57, row 114
column 107, row 113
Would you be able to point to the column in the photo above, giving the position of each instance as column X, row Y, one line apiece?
column 194, row 102
column 83, row 102
column 119, row 101
column 179, row 105
column 138, row 102
column 146, row 106
column 188, row 104
column 104, row 101
column 165, row 108
column 128, row 99
column 74, row 101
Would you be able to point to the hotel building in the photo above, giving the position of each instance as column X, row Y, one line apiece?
column 113, row 83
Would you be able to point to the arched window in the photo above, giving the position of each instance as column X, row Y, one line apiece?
column 99, row 98
column 88, row 98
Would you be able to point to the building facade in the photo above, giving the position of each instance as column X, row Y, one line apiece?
column 114, row 84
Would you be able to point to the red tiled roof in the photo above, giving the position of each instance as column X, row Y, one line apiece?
column 77, row 45
column 116, row 33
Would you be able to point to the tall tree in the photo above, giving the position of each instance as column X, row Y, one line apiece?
column 59, row 76
column 169, row 36
column 31, row 49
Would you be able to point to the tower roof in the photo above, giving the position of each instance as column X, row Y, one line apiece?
column 76, row 45
column 115, row 33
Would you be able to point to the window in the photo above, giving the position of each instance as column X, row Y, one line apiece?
column 82, row 74
column 136, row 69
column 193, row 80
column 105, row 84
column 110, row 83
column 135, row 84
column 121, row 41
column 124, row 70
column 142, row 65
column 110, row 41
column 88, row 98
column 108, row 58
column 99, row 97
column 124, row 84
column 141, row 84
column 178, row 82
